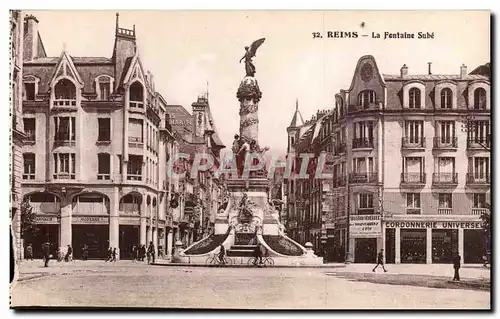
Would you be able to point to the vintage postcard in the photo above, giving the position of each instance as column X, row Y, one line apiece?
column 251, row 159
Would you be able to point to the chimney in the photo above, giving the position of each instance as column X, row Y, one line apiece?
column 30, row 38
column 404, row 70
column 463, row 71
column 430, row 64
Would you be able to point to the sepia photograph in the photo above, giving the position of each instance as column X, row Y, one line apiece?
column 250, row 160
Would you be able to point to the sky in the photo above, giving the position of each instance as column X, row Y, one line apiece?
column 185, row 50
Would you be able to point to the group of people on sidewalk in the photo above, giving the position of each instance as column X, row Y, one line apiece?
column 140, row 252
column 456, row 264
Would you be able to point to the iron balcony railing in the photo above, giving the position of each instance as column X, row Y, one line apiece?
column 357, row 178
column 413, row 178
column 412, row 142
column 478, row 143
column 362, row 143
column 480, row 179
column 445, row 142
column 445, row 211
column 479, row 211
column 445, row 178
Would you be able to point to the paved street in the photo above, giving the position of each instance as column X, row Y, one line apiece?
column 125, row 284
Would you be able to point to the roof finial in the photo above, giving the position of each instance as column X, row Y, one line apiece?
column 296, row 104
column 207, row 90
column 117, row 18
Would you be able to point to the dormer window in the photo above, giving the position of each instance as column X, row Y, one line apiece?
column 64, row 93
column 103, row 87
column 30, row 88
column 137, row 95
column 479, row 99
column 366, row 97
column 415, row 98
column 446, row 98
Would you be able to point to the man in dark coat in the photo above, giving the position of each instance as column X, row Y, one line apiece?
column 46, row 254
column 380, row 260
column 456, row 266
column 151, row 252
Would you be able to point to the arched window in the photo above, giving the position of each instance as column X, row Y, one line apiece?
column 366, row 97
column 479, row 98
column 446, row 98
column 136, row 95
column 415, row 98
column 64, row 93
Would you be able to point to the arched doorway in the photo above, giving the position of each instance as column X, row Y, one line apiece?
column 47, row 208
column 90, row 225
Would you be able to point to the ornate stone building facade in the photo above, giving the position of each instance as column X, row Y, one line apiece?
column 411, row 165
column 98, row 140
column 16, row 75
column 198, row 195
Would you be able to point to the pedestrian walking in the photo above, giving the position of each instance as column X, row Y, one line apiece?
column 143, row 252
column 46, row 254
column 69, row 254
column 151, row 252
column 113, row 255
column 456, row 266
column 110, row 254
column 29, row 252
column 134, row 253
column 85, row 253
column 59, row 255
column 380, row 260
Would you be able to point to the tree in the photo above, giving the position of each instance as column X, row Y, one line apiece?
column 29, row 227
column 486, row 219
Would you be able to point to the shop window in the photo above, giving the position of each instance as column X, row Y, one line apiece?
column 444, row 245
column 413, row 246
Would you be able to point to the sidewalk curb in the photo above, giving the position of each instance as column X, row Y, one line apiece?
column 246, row 266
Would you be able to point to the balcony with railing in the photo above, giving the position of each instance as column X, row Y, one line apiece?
column 136, row 105
column 413, row 143
column 482, row 179
column 30, row 136
column 90, row 208
column 130, row 208
column 445, row 211
column 416, row 179
column 46, row 207
column 358, row 178
column 478, row 144
column 64, row 142
column 366, row 211
column 445, row 179
column 445, row 143
column 479, row 211
column 64, row 175
column 135, row 142
column 64, row 102
column 362, row 143
column 413, row 211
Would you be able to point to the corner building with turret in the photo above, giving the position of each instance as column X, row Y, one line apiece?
column 97, row 144
column 411, row 167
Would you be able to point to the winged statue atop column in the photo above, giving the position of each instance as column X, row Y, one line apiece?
column 250, row 53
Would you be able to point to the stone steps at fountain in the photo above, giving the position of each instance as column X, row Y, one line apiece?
column 241, row 250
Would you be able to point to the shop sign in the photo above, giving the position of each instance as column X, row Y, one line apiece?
column 365, row 226
column 435, row 225
column 96, row 220
column 134, row 221
column 46, row 220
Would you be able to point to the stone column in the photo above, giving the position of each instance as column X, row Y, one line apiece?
column 397, row 245
column 352, row 249
column 170, row 242
column 428, row 246
column 142, row 230
column 114, row 222
column 249, row 95
column 461, row 243
column 66, row 223
column 155, row 237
